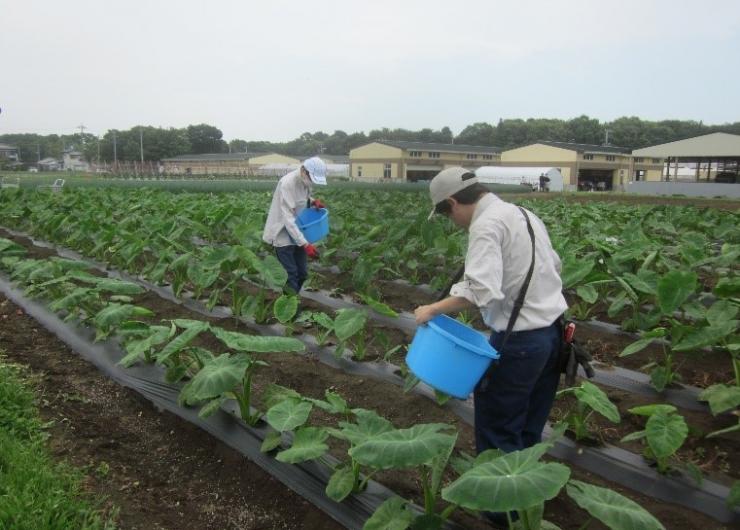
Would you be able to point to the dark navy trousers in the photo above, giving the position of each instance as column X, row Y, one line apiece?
column 513, row 401
column 295, row 262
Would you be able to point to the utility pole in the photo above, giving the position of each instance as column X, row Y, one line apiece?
column 81, row 128
column 38, row 153
column 115, row 153
column 141, row 144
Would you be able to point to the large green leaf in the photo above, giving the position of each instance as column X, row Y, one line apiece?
column 378, row 307
column 348, row 322
column 368, row 424
column 721, row 398
column 610, row 508
column 595, row 398
column 587, row 293
column 706, row 336
column 114, row 314
column 288, row 414
column 674, row 288
column 340, row 484
column 515, row 481
column 733, row 499
column 393, row 514
column 285, row 308
column 575, row 270
column 272, row 272
column 218, row 376
column 728, row 287
column 257, row 343
column 114, row 286
column 665, row 432
column 401, row 448
column 308, row 444
column 643, row 342
column 182, row 340
column 721, row 311
column 639, row 283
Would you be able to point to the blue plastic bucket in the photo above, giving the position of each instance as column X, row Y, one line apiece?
column 314, row 223
column 449, row 356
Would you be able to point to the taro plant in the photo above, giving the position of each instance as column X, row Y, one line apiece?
column 285, row 309
column 664, row 434
column 351, row 323
column 514, row 482
column 590, row 399
column 141, row 340
column 230, row 376
column 425, row 447
column 346, row 478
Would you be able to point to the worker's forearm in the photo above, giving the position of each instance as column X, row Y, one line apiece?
column 451, row 304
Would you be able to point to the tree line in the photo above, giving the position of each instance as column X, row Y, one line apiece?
column 159, row 143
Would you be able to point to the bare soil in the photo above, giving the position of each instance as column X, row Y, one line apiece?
column 159, row 471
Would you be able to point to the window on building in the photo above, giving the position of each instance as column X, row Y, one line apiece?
column 610, row 158
column 415, row 154
column 487, row 157
column 359, row 171
column 638, row 160
column 471, row 156
column 588, row 157
column 657, row 161
column 386, row 171
column 433, row 154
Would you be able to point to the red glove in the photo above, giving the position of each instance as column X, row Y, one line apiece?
column 316, row 203
column 311, row 251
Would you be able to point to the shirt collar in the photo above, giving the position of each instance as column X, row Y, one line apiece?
column 482, row 205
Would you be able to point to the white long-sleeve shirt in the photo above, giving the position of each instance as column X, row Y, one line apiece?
column 290, row 197
column 497, row 260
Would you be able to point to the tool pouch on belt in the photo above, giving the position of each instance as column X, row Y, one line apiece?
column 571, row 355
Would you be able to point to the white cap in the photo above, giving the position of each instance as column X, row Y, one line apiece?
column 448, row 182
column 316, row 170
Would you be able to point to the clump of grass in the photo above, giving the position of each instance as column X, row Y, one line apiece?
column 36, row 493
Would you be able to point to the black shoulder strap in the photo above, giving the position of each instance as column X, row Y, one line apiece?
column 523, row 291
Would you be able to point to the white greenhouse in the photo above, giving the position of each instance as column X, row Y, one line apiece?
column 526, row 176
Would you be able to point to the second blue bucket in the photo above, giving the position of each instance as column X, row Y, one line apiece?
column 314, row 223
column 449, row 356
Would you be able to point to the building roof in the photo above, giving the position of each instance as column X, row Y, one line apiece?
column 213, row 157
column 587, row 148
column 5, row 147
column 449, row 148
column 717, row 144
column 336, row 159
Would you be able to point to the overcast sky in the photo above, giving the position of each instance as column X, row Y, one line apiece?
column 272, row 70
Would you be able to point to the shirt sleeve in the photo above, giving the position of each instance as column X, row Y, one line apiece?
column 482, row 282
column 288, row 216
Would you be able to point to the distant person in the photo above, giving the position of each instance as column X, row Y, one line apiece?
column 544, row 180
column 293, row 194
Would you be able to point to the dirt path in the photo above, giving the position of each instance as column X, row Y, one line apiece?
column 160, row 471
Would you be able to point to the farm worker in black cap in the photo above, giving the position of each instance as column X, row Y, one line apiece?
column 293, row 194
column 513, row 400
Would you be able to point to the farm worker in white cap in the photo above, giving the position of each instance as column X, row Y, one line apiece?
column 512, row 401
column 293, row 194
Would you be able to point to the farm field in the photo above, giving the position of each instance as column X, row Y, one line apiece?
column 656, row 287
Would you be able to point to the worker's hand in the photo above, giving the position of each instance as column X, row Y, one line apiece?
column 316, row 203
column 311, row 251
column 424, row 313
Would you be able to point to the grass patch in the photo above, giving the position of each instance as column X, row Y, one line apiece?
column 36, row 493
